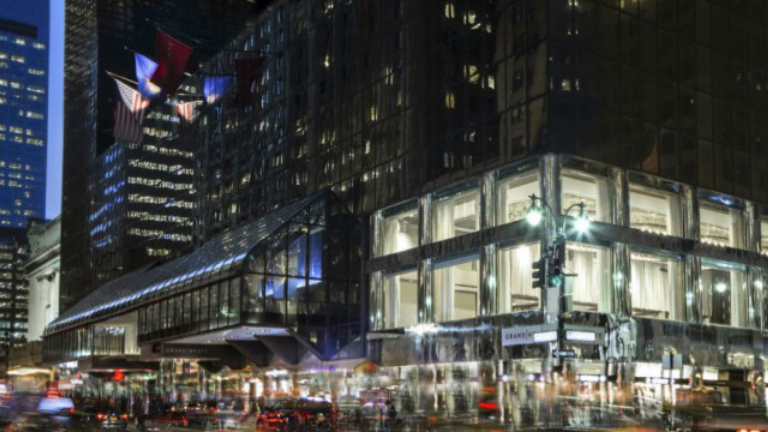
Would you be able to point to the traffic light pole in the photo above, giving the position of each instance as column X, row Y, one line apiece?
column 549, row 269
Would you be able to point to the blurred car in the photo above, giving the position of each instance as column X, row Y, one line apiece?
column 170, row 419
column 112, row 421
column 290, row 413
column 44, row 422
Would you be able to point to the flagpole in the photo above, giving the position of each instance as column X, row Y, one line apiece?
column 116, row 76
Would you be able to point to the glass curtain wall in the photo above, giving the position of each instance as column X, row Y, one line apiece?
column 514, row 196
column 593, row 190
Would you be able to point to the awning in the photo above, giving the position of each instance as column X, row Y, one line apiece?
column 220, row 257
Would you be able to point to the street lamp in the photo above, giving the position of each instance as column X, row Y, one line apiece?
column 549, row 269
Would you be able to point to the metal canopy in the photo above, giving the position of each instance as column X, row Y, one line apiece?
column 220, row 257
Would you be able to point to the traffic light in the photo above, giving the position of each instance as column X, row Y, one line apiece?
column 555, row 273
column 539, row 272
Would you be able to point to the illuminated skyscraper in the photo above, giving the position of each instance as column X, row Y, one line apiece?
column 23, row 110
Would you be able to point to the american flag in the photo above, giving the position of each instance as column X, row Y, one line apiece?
column 128, row 124
column 132, row 98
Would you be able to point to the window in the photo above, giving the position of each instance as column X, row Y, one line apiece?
column 514, row 196
column 515, row 281
column 657, row 287
column 399, row 229
column 591, row 287
column 455, row 214
column 592, row 190
column 725, row 299
column 400, row 307
column 456, row 288
column 764, row 234
column 721, row 225
column 654, row 210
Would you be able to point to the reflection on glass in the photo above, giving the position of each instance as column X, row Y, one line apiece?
column 514, row 196
column 455, row 288
column 720, row 225
column 654, row 210
column 515, row 284
column 400, row 299
column 764, row 237
column 656, row 287
column 725, row 299
column 399, row 232
column 456, row 215
column 591, row 286
column 591, row 190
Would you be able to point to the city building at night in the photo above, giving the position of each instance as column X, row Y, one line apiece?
column 624, row 142
column 23, row 111
column 101, row 38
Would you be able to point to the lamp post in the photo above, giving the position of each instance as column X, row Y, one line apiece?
column 549, row 269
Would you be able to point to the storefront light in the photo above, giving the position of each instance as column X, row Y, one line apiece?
column 759, row 284
column 591, row 378
column 548, row 336
column 580, row 336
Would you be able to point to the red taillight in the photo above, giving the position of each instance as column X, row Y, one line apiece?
column 184, row 420
column 71, row 410
column 489, row 405
column 124, row 416
column 100, row 416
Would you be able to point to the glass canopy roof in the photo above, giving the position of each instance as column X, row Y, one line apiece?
column 220, row 257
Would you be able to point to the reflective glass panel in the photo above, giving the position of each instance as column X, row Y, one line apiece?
column 455, row 215
column 399, row 231
column 590, row 189
column 725, row 298
column 514, row 196
column 654, row 210
column 657, row 288
column 400, row 307
column 591, row 287
column 515, row 280
column 455, row 288
column 720, row 225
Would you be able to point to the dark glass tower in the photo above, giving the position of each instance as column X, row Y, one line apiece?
column 23, row 110
column 101, row 36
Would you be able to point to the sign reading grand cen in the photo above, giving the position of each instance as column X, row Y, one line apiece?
column 511, row 336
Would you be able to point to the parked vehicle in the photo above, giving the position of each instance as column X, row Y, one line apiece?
column 291, row 414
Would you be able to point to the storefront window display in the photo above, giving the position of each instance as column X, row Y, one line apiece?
column 515, row 278
column 591, row 189
column 657, row 286
column 721, row 221
column 400, row 299
column 399, row 229
column 456, row 288
column 655, row 210
column 725, row 294
column 514, row 196
column 455, row 212
column 592, row 285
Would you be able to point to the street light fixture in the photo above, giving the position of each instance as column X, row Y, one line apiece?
column 582, row 220
column 534, row 214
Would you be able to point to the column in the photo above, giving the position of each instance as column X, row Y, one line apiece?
column 694, row 297
column 488, row 281
column 550, row 184
column 377, row 321
column 425, row 219
column 426, row 309
column 620, row 302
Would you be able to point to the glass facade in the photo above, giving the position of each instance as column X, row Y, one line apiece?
column 24, row 28
column 633, row 263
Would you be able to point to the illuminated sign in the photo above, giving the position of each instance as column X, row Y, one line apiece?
column 525, row 335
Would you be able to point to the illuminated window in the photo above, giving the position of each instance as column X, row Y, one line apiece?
column 399, row 229
column 38, row 45
column 514, row 196
column 592, row 190
column 657, row 287
column 400, row 307
column 3, row 56
column 35, row 89
column 34, row 115
column 450, row 10
column 721, row 221
column 18, row 58
column 725, row 299
column 470, row 71
column 15, row 85
column 38, row 72
column 20, row 41
column 450, row 100
column 455, row 288
column 515, row 284
column 655, row 210
column 592, row 287
column 455, row 213
column 3, row 83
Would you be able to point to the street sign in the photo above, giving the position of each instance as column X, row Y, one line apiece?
column 564, row 353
